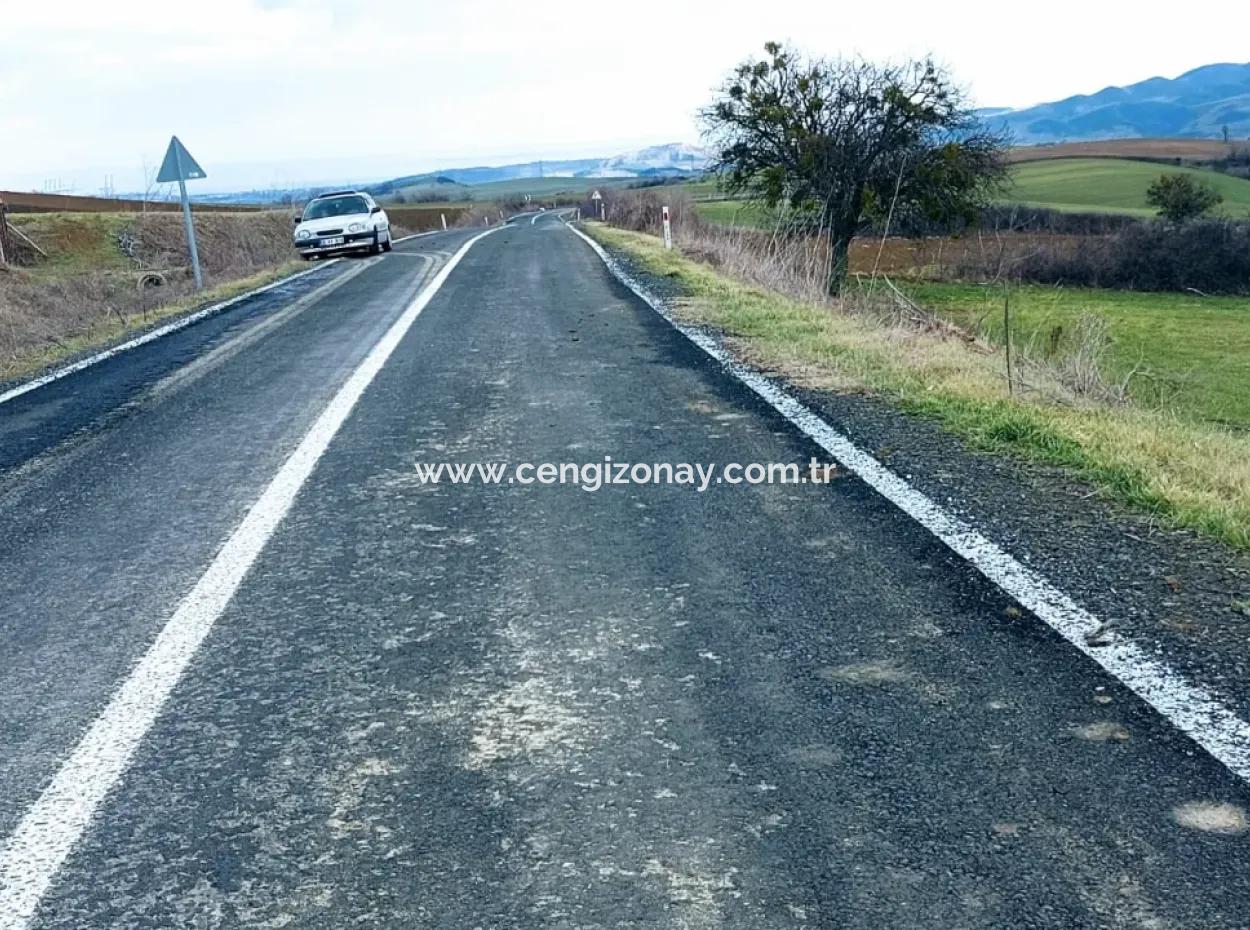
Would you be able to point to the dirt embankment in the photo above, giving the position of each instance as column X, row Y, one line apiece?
column 106, row 274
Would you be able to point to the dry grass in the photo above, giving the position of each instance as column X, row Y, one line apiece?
column 979, row 254
column 1182, row 471
column 481, row 214
column 407, row 220
column 91, row 291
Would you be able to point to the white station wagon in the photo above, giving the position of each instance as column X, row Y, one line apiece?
column 342, row 221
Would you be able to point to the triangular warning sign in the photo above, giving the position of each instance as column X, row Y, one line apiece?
column 179, row 165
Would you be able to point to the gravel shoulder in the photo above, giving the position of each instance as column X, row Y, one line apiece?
column 1183, row 597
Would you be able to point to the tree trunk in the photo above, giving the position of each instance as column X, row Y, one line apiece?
column 839, row 261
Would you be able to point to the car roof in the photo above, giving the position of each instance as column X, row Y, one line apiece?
column 340, row 194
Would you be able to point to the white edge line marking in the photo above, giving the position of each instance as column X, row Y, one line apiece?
column 154, row 334
column 180, row 323
column 1191, row 708
column 48, row 831
column 428, row 232
column 557, row 213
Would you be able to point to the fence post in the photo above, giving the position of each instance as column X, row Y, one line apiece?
column 4, row 233
column 668, row 230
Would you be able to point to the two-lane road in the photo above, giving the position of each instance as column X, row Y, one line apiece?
column 521, row 705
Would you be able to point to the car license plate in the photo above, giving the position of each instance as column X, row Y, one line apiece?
column 333, row 240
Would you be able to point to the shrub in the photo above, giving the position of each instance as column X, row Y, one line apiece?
column 1182, row 197
column 1208, row 256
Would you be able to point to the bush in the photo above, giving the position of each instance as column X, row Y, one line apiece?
column 1182, row 197
column 1012, row 218
column 1209, row 256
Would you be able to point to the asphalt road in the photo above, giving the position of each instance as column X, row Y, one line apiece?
column 524, row 706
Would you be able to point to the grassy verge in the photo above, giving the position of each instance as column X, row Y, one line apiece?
column 1182, row 470
column 110, row 330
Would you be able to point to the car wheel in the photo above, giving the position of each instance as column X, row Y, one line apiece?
column 376, row 248
column 387, row 246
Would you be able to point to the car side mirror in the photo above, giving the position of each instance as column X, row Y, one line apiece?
column 295, row 221
column 376, row 209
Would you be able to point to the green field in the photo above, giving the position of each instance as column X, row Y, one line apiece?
column 1101, row 185
column 1111, row 185
column 734, row 213
column 1192, row 353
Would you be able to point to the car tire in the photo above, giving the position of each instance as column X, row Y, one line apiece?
column 376, row 248
column 387, row 246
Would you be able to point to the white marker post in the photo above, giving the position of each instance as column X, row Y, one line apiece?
column 443, row 217
column 181, row 167
column 668, row 230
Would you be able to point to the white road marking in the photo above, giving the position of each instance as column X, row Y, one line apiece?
column 37, row 848
column 1193, row 709
column 556, row 213
column 193, row 371
column 419, row 235
column 151, row 335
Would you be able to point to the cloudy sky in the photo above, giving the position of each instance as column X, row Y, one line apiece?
column 280, row 92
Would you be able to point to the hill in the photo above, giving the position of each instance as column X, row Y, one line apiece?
column 673, row 159
column 1197, row 104
column 1112, row 185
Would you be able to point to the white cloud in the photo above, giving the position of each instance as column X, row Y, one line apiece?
column 89, row 86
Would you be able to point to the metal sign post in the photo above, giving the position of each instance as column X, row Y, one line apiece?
column 181, row 167
column 668, row 230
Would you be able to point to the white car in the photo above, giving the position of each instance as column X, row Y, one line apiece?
column 342, row 221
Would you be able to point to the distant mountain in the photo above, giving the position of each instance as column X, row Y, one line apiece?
column 674, row 159
column 1198, row 104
